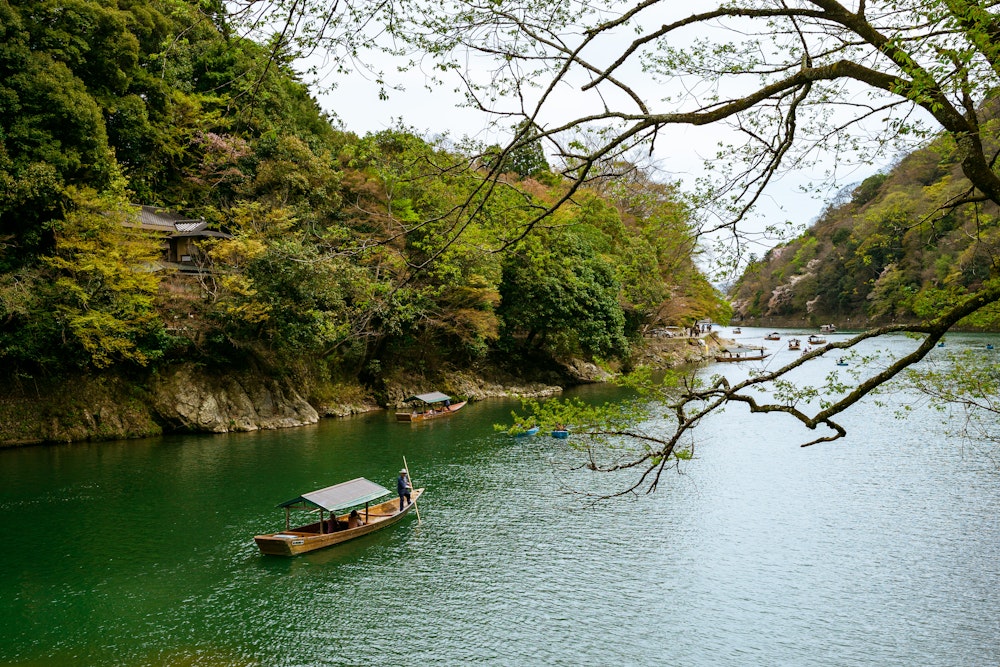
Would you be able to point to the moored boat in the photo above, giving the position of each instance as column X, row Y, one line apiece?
column 335, row 528
column 741, row 354
column 429, row 406
column 828, row 328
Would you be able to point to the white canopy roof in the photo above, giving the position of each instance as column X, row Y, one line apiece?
column 433, row 397
column 341, row 496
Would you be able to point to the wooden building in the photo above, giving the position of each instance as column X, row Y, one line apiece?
column 180, row 237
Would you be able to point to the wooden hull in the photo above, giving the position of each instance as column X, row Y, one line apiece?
column 308, row 538
column 423, row 416
column 754, row 358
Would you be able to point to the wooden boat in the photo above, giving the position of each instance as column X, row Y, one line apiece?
column 737, row 330
column 828, row 328
column 741, row 354
column 774, row 335
column 817, row 340
column 335, row 528
column 794, row 344
column 430, row 406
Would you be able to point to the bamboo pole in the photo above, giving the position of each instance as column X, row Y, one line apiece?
column 407, row 469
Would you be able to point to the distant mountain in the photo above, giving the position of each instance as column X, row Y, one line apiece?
column 891, row 249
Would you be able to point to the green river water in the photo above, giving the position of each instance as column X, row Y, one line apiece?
column 881, row 549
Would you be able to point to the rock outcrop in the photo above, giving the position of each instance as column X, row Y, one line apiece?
column 186, row 400
column 189, row 397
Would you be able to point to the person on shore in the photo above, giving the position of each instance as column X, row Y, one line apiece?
column 403, row 488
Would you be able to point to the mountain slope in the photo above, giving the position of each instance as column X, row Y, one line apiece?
column 887, row 250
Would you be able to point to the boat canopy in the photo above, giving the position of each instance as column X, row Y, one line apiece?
column 433, row 397
column 341, row 496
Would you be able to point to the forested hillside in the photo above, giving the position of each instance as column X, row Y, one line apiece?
column 893, row 248
column 336, row 256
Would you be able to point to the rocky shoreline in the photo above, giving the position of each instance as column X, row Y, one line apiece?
column 188, row 399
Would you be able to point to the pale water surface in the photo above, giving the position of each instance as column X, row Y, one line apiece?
column 881, row 549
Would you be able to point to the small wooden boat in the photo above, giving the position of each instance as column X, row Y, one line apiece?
column 828, row 328
column 741, row 354
column 794, row 344
column 335, row 528
column 560, row 433
column 774, row 335
column 737, row 330
column 430, row 406
column 817, row 340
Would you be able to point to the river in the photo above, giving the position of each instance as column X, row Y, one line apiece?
column 879, row 549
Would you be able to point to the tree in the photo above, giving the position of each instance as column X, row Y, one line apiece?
column 99, row 292
column 788, row 80
column 525, row 159
column 561, row 297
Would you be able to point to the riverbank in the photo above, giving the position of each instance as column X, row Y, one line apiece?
column 191, row 398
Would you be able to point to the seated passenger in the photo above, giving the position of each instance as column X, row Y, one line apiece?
column 354, row 520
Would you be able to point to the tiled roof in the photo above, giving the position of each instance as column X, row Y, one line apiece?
column 158, row 219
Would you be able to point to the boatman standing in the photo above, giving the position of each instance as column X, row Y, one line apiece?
column 403, row 488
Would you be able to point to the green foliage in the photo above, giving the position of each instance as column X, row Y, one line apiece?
column 365, row 253
column 102, row 286
column 527, row 158
column 896, row 252
column 807, row 250
column 868, row 189
column 558, row 295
